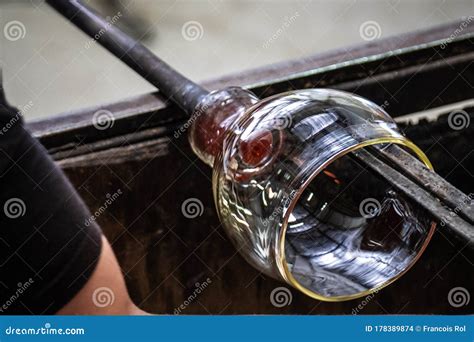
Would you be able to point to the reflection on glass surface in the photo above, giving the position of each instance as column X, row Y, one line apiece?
column 335, row 246
column 294, row 200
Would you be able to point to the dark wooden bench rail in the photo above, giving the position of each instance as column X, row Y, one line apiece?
column 165, row 255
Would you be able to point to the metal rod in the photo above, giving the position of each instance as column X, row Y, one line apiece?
column 187, row 94
column 448, row 218
column 182, row 91
column 2, row 92
column 462, row 204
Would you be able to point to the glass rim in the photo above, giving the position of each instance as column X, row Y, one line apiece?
column 282, row 264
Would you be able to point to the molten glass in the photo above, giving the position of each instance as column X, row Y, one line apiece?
column 293, row 198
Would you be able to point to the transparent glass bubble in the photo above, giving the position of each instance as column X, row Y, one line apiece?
column 296, row 202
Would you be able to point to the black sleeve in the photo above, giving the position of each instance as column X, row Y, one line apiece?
column 48, row 246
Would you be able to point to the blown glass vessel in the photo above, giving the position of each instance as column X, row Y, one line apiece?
column 293, row 196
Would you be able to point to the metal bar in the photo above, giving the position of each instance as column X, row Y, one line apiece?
column 462, row 204
column 187, row 94
column 454, row 223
